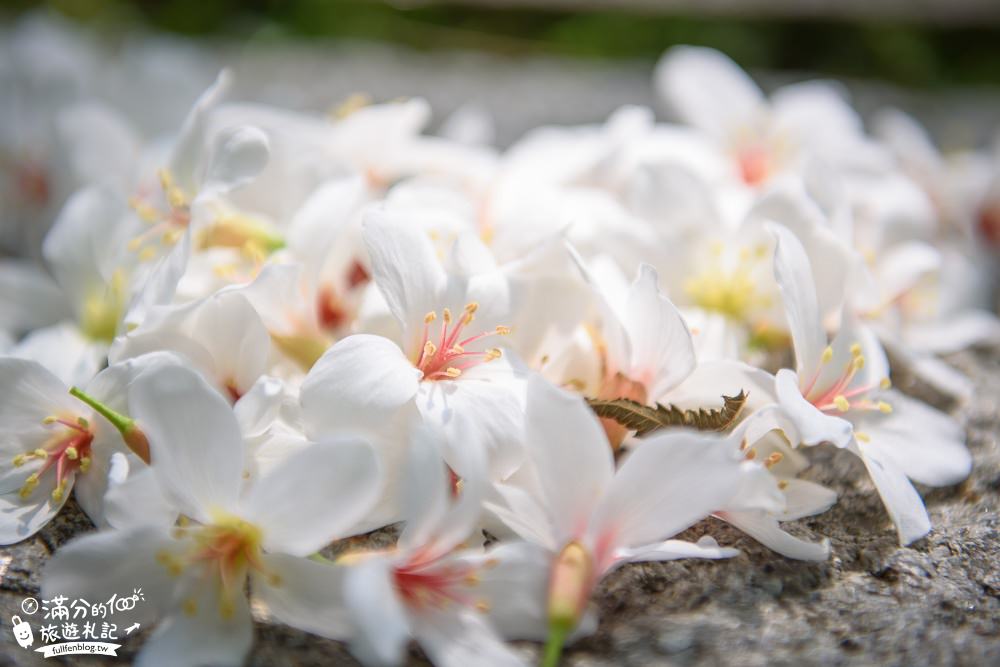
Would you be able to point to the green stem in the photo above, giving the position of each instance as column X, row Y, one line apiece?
column 131, row 433
column 554, row 644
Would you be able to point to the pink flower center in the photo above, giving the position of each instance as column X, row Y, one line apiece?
column 67, row 452
column 839, row 396
column 755, row 164
column 435, row 585
column 445, row 357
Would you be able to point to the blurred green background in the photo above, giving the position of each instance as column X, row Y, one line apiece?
column 924, row 52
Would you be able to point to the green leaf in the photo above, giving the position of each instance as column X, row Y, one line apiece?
column 644, row 419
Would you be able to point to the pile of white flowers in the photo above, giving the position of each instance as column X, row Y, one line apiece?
column 271, row 332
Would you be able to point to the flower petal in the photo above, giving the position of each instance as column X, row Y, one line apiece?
column 765, row 529
column 382, row 628
column 901, row 500
column 196, row 448
column 571, row 456
column 314, row 496
column 306, row 595
column 811, row 426
column 359, row 382
column 662, row 350
column 795, row 279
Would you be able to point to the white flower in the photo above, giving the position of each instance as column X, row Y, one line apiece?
column 839, row 393
column 428, row 587
column 589, row 518
column 194, row 574
column 443, row 361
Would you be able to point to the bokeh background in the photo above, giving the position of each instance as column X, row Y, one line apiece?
column 534, row 61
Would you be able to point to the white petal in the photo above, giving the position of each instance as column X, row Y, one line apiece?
column 239, row 155
column 707, row 90
column 195, row 444
column 459, row 637
column 307, row 595
column 382, row 626
column 64, row 350
column 562, row 429
column 191, row 138
column 205, row 637
column 30, row 394
column 315, row 496
column 662, row 351
column 765, row 529
column 804, row 498
column 794, row 274
column 406, row 270
column 29, row 298
column 811, row 425
column 481, row 413
column 515, row 586
column 667, row 484
column 901, row 500
column 96, row 566
column 137, row 500
column 927, row 445
column 20, row 518
column 361, row 381
column 706, row 547
column 233, row 333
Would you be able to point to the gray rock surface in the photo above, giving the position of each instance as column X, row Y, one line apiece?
column 936, row 602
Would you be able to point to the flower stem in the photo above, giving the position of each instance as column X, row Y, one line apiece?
column 130, row 432
column 554, row 644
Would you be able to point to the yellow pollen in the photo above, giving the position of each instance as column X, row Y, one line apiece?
column 744, row 444
column 84, row 464
column 29, row 486
column 275, row 579
column 471, row 580
column 457, row 349
column 172, row 236
column 430, row 317
column 862, row 436
column 493, row 353
column 452, row 372
column 490, row 563
column 751, row 454
column 59, row 491
column 430, row 349
column 446, row 316
column 83, row 422
column 19, row 460
column 841, row 402
column 886, row 383
column 856, row 349
column 827, row 354
column 503, row 331
column 482, row 606
column 774, row 459
column 226, row 608
column 782, row 485
column 72, row 454
column 147, row 255
column 51, row 419
column 471, row 308
column 884, row 407
column 859, row 362
column 190, row 607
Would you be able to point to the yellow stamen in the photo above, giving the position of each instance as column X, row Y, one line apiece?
column 884, row 407
column 430, row 349
column 190, row 607
column 841, row 402
column 855, row 349
column 827, row 354
column 774, row 459
column 751, row 454
column 85, row 464
column 482, row 606
column 430, row 317
column 446, row 316
column 493, row 353
column 72, row 454
column 886, row 383
column 503, row 331
column 452, row 372
column 782, row 485
column 862, row 436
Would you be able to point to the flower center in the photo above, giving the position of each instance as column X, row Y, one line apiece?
column 67, row 451
column 839, row 396
column 228, row 549
column 448, row 358
column 422, row 585
column 755, row 164
column 728, row 285
column 167, row 226
column 102, row 309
